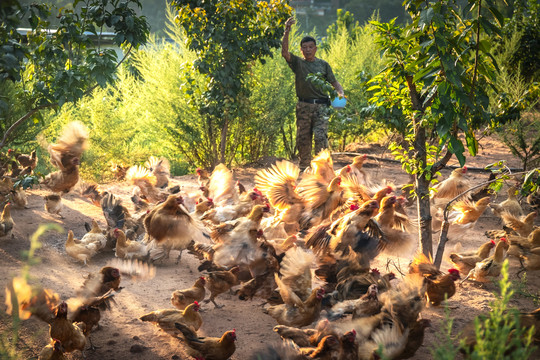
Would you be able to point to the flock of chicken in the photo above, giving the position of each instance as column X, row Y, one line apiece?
column 302, row 242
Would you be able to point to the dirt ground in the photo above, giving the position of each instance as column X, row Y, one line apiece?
column 123, row 336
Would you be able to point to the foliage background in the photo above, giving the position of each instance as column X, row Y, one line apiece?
column 148, row 112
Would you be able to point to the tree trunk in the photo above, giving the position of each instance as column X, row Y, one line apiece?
column 223, row 143
column 422, row 191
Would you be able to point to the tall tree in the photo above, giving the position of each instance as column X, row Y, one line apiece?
column 52, row 67
column 227, row 37
column 438, row 72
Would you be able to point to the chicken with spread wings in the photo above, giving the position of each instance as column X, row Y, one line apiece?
column 160, row 168
column 352, row 230
column 169, row 226
column 522, row 226
column 66, row 156
column 279, row 183
column 302, row 304
column 450, row 187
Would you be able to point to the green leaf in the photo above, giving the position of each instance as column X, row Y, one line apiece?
column 472, row 143
column 456, row 147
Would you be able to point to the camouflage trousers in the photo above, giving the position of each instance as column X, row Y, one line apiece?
column 311, row 122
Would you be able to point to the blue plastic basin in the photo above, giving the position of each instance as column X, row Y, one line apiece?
column 339, row 102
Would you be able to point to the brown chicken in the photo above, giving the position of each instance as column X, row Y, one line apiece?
column 66, row 155
column 88, row 311
column 511, row 205
column 94, row 194
column 466, row 261
column 278, row 184
column 53, row 351
column 201, row 207
column 450, row 187
column 321, row 200
column 18, row 198
column 349, row 230
column 208, row 348
column 70, row 335
column 294, row 311
column 490, row 267
column 523, row 226
column 119, row 171
column 329, row 348
column 322, row 167
column 53, row 204
column 366, row 305
column 300, row 337
column 242, row 207
column 395, row 227
column 439, row 285
column 79, row 251
column 415, row 338
column 218, row 282
column 182, row 298
column 170, row 226
column 349, row 346
column 466, row 212
column 240, row 245
column 358, row 172
column 6, row 221
column 203, row 177
column 160, row 168
column 145, row 184
column 222, row 187
column 128, row 249
column 28, row 160
column 95, row 236
column 100, row 283
column 165, row 319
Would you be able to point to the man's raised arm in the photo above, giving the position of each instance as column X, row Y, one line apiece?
column 285, row 43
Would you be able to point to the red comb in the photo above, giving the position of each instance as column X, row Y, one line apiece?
column 453, row 271
column 354, row 207
column 196, row 303
column 493, row 242
column 354, row 332
column 503, row 239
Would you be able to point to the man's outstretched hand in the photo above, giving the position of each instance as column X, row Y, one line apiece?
column 290, row 22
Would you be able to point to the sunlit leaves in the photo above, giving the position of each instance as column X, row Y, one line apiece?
column 227, row 36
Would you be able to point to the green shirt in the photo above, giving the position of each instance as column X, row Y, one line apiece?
column 301, row 68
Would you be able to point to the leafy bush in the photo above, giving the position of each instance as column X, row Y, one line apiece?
column 149, row 109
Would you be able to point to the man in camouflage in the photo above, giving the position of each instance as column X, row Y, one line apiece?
column 312, row 104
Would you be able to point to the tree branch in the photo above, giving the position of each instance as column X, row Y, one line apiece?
column 20, row 121
column 17, row 123
column 446, row 224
